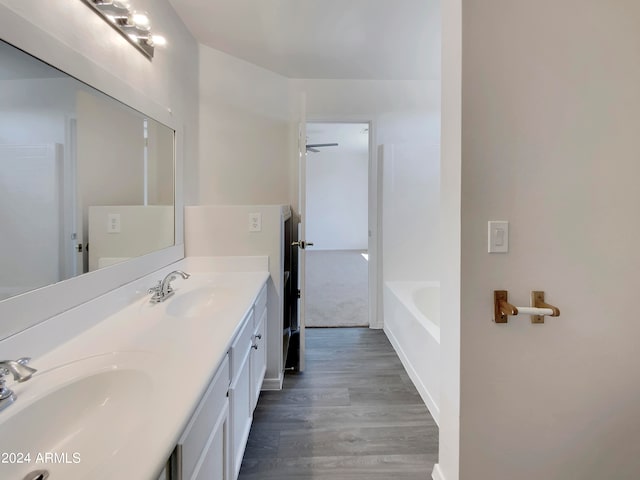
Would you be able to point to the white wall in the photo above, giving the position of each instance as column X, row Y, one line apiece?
column 72, row 37
column 405, row 114
column 160, row 164
column 337, row 199
column 213, row 230
column 356, row 99
column 246, row 133
column 35, row 110
column 110, row 167
column 165, row 88
column 410, row 207
column 550, row 127
column 31, row 213
column 143, row 229
column 411, row 198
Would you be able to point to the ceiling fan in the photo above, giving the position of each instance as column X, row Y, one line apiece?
column 313, row 147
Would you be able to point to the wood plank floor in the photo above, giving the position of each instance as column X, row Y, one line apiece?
column 352, row 415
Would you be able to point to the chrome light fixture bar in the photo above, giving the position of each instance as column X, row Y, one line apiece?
column 132, row 25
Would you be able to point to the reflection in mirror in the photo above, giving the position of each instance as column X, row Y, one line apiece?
column 85, row 181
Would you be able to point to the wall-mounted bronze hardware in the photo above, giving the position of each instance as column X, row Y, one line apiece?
column 538, row 309
column 502, row 308
column 537, row 300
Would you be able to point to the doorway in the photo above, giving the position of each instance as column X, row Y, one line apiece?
column 337, row 218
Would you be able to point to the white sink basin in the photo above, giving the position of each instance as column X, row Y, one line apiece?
column 93, row 402
column 200, row 301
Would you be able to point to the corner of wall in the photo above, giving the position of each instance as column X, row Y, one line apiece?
column 450, row 218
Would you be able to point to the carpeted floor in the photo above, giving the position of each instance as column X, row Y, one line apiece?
column 337, row 289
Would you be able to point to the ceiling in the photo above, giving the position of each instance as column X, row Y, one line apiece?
column 330, row 39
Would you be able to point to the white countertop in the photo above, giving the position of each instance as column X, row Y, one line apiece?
column 177, row 355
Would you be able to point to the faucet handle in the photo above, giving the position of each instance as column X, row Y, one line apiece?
column 156, row 289
column 6, row 395
column 18, row 368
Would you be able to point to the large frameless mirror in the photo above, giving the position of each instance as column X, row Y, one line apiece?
column 85, row 181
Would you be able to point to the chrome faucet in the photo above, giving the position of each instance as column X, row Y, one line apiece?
column 163, row 289
column 21, row 373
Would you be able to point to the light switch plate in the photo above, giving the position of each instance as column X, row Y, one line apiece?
column 113, row 223
column 255, row 222
column 498, row 236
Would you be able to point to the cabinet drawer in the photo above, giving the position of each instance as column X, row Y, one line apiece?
column 195, row 436
column 241, row 345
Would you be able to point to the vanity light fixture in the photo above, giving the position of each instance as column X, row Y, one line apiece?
column 134, row 25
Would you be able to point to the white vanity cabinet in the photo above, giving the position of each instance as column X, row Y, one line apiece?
column 259, row 347
column 213, row 443
column 201, row 450
column 240, row 393
column 248, row 366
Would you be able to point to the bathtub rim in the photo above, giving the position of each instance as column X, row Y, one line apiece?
column 403, row 290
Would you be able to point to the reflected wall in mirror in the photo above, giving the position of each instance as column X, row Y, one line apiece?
column 85, row 181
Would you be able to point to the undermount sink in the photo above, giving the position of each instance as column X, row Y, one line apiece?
column 64, row 410
column 199, row 301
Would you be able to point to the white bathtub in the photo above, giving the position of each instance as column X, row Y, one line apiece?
column 412, row 323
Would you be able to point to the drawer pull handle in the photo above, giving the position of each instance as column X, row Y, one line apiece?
column 254, row 346
column 258, row 336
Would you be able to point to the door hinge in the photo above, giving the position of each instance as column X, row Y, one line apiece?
column 299, row 293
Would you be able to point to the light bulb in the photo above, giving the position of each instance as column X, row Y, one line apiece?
column 159, row 40
column 141, row 20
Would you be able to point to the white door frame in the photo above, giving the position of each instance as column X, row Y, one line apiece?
column 73, row 218
column 302, row 207
column 374, row 212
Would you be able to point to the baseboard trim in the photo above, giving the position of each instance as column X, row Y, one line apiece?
column 422, row 390
column 437, row 473
column 271, row 384
column 376, row 326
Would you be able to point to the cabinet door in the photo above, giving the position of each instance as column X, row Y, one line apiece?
column 214, row 463
column 212, row 411
column 258, row 359
column 241, row 413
